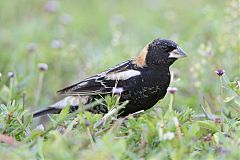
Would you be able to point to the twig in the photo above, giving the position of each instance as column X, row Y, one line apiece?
column 208, row 115
column 178, row 129
column 133, row 114
column 110, row 114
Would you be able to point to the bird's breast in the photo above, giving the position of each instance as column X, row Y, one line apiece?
column 150, row 87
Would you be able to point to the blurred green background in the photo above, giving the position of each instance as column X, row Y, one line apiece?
column 80, row 38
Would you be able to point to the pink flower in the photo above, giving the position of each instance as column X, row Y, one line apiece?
column 10, row 74
column 117, row 90
column 57, row 44
column 42, row 66
column 220, row 72
column 32, row 47
column 172, row 90
column 51, row 6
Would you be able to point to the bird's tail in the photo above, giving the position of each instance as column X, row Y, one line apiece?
column 48, row 110
column 72, row 101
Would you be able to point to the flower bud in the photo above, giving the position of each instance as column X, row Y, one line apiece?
column 172, row 90
column 57, row 44
column 117, row 90
column 87, row 124
column 32, row 47
column 51, row 6
column 10, row 74
column 42, row 66
column 220, row 72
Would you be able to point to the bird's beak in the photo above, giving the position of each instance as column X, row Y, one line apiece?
column 177, row 53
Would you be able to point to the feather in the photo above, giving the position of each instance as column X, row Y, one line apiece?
column 102, row 83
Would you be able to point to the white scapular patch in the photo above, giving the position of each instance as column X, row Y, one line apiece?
column 79, row 85
column 70, row 101
column 82, row 84
column 122, row 75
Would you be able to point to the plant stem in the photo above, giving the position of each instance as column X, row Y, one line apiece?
column 171, row 103
column 85, row 117
column 171, row 95
column 221, row 101
column 90, row 136
column 39, row 88
column 11, row 89
column 23, row 104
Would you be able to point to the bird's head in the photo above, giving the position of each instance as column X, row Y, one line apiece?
column 160, row 52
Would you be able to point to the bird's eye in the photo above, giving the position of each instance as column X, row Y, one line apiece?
column 164, row 48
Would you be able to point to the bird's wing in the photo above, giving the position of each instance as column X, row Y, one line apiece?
column 103, row 83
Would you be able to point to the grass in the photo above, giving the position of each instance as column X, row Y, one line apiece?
column 79, row 39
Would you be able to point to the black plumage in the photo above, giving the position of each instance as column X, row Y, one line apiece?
column 143, row 81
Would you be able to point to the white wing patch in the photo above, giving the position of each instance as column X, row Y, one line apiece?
column 70, row 101
column 103, row 74
column 79, row 85
column 122, row 75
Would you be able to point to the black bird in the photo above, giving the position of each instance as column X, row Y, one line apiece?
column 143, row 81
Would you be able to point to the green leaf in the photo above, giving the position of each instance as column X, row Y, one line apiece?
column 210, row 125
column 62, row 116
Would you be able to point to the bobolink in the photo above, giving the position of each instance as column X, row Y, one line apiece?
column 143, row 81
